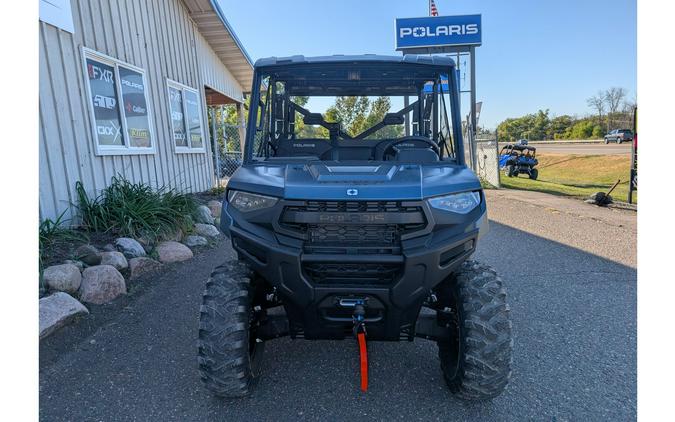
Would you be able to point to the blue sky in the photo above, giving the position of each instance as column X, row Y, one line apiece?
column 535, row 54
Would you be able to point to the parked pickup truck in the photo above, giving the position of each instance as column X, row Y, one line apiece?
column 619, row 135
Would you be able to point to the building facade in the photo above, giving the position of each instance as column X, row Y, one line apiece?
column 125, row 87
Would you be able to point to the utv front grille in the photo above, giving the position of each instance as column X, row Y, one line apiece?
column 366, row 234
column 352, row 228
column 342, row 223
column 344, row 273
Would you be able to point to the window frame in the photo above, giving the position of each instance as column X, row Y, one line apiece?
column 126, row 149
column 170, row 83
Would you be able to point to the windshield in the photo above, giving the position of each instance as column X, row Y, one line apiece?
column 341, row 112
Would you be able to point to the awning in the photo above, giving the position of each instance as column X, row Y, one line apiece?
column 213, row 26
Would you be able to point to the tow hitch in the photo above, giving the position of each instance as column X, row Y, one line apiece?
column 360, row 333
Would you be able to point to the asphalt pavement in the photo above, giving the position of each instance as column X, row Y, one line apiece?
column 584, row 149
column 571, row 278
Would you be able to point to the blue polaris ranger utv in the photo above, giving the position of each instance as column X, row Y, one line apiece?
column 515, row 159
column 361, row 229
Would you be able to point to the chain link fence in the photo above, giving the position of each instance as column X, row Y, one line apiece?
column 227, row 146
column 487, row 161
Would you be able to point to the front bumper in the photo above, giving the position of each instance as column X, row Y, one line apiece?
column 317, row 310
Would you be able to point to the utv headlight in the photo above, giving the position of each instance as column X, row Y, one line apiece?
column 244, row 201
column 461, row 203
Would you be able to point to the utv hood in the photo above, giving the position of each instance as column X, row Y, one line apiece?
column 339, row 181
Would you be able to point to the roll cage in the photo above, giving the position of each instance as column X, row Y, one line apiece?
column 272, row 114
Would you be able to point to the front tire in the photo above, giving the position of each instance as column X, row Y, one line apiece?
column 228, row 354
column 476, row 358
column 511, row 170
column 534, row 173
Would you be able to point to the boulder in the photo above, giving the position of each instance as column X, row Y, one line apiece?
column 116, row 259
column 208, row 230
column 88, row 254
column 64, row 277
column 142, row 265
column 171, row 251
column 57, row 310
column 109, row 247
column 177, row 236
column 194, row 240
column 78, row 264
column 129, row 247
column 203, row 215
column 101, row 284
column 215, row 207
column 146, row 243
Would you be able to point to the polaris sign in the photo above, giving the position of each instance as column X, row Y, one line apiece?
column 438, row 31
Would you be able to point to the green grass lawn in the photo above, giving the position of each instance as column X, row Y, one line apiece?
column 577, row 175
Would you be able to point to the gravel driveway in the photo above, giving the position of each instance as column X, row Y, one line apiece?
column 570, row 272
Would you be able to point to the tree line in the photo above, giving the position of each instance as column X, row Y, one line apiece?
column 611, row 111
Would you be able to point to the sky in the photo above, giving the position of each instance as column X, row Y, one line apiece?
column 536, row 54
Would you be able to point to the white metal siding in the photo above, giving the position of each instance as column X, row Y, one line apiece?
column 156, row 35
column 214, row 73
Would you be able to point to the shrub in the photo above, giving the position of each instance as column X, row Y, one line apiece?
column 136, row 210
column 54, row 232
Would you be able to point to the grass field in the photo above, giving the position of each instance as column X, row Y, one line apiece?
column 577, row 175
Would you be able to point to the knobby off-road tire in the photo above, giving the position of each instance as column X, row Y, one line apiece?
column 534, row 173
column 228, row 356
column 511, row 170
column 476, row 360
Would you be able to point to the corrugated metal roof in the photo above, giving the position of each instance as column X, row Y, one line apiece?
column 218, row 32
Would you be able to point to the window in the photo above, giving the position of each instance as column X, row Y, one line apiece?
column 119, row 106
column 186, row 118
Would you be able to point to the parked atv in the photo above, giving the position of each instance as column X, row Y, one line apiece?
column 361, row 232
column 517, row 159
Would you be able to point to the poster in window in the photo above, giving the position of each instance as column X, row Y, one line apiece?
column 104, row 101
column 193, row 119
column 135, row 108
column 177, row 120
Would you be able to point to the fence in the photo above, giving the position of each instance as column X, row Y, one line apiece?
column 227, row 151
column 487, row 161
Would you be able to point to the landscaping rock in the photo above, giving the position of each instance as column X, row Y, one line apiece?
column 215, row 207
column 177, row 236
column 208, row 230
column 193, row 241
column 88, row 254
column 64, row 277
column 171, row 251
column 129, row 247
column 142, row 265
column 101, row 284
column 110, row 248
column 57, row 310
column 78, row 264
column 203, row 215
column 116, row 259
column 146, row 243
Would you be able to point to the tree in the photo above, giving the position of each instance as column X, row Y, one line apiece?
column 597, row 102
column 351, row 112
column 559, row 125
column 357, row 114
column 613, row 98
